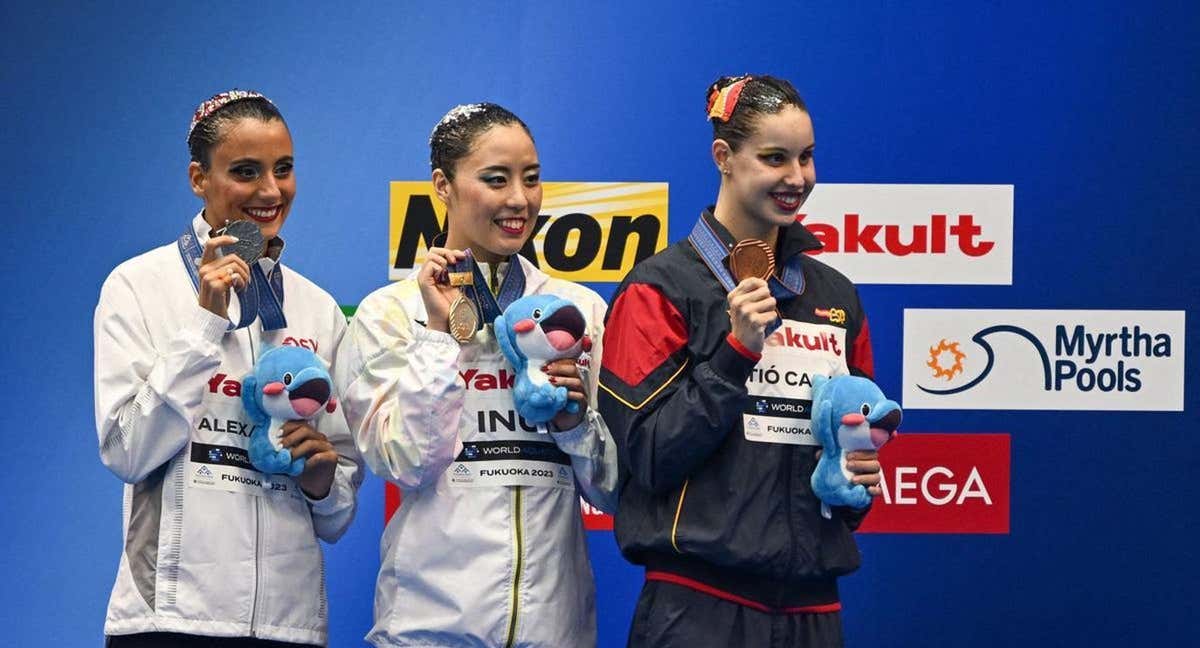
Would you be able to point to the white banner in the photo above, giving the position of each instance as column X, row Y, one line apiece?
column 1044, row 359
column 914, row 234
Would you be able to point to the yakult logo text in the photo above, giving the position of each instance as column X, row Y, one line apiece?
column 787, row 336
column 1045, row 359
column 222, row 384
column 934, row 234
column 853, row 236
column 483, row 381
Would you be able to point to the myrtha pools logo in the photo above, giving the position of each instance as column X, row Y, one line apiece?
column 1110, row 360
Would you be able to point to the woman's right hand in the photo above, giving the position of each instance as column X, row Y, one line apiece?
column 438, row 294
column 219, row 274
column 751, row 309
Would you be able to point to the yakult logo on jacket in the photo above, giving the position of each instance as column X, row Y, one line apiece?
column 1103, row 360
column 806, row 339
column 933, row 234
column 485, row 381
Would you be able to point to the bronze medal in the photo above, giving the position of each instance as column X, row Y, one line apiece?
column 752, row 258
column 463, row 320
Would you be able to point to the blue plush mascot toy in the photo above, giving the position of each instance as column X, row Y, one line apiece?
column 532, row 331
column 288, row 383
column 848, row 413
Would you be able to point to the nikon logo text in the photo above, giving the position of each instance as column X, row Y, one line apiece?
column 586, row 231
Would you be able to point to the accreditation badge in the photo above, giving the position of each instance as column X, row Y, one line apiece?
column 780, row 385
column 217, row 456
column 499, row 448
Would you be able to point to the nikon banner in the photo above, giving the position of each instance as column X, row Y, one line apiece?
column 587, row 231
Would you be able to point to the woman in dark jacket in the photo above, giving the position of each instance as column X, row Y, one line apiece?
column 706, row 385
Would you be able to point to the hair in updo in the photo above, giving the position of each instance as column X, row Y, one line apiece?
column 452, row 138
column 744, row 105
column 207, row 132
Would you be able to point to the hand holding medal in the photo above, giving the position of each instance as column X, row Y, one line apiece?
column 440, row 290
column 218, row 274
column 751, row 306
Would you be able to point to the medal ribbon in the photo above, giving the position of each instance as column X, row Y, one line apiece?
column 491, row 306
column 260, row 299
column 713, row 252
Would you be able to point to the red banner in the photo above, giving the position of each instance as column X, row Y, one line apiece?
column 943, row 483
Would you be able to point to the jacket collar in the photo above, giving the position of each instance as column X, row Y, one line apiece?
column 793, row 239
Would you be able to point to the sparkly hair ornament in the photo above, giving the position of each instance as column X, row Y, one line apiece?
column 219, row 101
column 455, row 115
column 722, row 101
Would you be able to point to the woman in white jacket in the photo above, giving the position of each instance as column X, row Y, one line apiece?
column 488, row 546
column 215, row 552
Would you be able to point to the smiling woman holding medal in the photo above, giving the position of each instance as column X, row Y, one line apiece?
column 706, row 382
column 488, row 546
column 217, row 553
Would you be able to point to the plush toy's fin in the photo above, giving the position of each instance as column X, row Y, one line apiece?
column 508, row 345
column 250, row 401
column 818, row 380
column 822, row 420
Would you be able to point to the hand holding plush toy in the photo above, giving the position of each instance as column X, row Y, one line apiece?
column 288, row 383
column 848, row 413
column 534, row 330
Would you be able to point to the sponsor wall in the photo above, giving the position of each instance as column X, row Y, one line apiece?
column 1010, row 187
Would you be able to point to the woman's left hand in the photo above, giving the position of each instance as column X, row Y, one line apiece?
column 320, row 457
column 565, row 373
column 867, row 471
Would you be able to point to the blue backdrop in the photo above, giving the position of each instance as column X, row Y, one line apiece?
column 1090, row 113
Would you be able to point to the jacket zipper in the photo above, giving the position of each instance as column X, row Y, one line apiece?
column 257, row 562
column 257, row 526
column 520, row 549
column 678, row 511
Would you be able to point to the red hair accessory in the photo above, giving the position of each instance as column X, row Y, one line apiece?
column 722, row 101
column 219, row 101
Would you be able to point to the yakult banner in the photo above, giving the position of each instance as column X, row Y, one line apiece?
column 1044, row 359
column 914, row 234
column 587, row 231
column 943, row 483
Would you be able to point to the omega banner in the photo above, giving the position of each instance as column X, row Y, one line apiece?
column 587, row 231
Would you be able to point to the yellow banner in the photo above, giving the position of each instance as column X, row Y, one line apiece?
column 587, row 231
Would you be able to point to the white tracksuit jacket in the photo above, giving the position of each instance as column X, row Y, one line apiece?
column 469, row 560
column 211, row 547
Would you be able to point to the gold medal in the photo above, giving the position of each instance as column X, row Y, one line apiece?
column 752, row 258
column 463, row 320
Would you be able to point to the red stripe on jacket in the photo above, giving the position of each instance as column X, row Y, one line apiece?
column 683, row 581
column 863, row 359
column 643, row 330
